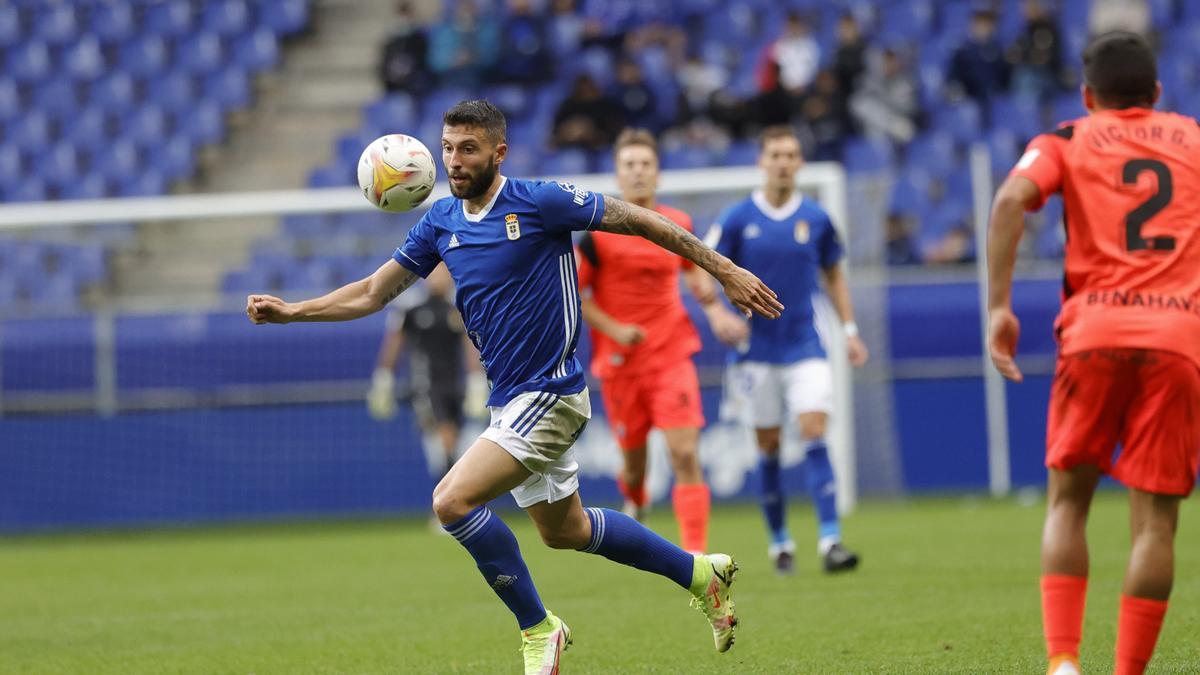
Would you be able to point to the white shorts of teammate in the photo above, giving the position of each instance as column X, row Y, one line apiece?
column 765, row 392
column 538, row 430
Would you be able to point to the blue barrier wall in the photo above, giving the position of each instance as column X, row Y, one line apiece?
column 231, row 462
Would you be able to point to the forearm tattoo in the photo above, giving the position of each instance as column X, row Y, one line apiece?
column 622, row 217
column 408, row 280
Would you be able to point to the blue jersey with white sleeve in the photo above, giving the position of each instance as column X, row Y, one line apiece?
column 786, row 247
column 513, row 266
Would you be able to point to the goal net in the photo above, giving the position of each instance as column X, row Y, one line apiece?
column 172, row 407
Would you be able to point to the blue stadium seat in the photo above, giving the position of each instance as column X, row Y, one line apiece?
column 10, row 100
column 55, row 23
column 59, row 291
column 201, row 53
column 439, row 101
column 112, row 21
column 1004, row 146
column 120, row 161
column 285, row 17
column 350, row 146
column 148, row 183
column 29, row 62
column 867, row 155
column 312, row 276
column 173, row 158
column 89, row 185
column 203, row 123
column 960, row 119
column 257, row 50
column 306, row 225
column 391, row 114
column 173, row 91
column 144, row 55
column 250, row 280
column 114, row 92
column 28, row 189
column 84, row 61
column 511, row 98
column 686, row 157
column 565, row 162
column 58, row 165
column 1020, row 115
column 11, row 30
column 1065, row 108
column 30, row 132
column 910, row 194
column 225, row 17
column 933, row 151
column 168, row 18
column 742, row 153
column 331, row 175
column 522, row 159
column 146, row 125
column 57, row 98
column 12, row 167
column 230, row 88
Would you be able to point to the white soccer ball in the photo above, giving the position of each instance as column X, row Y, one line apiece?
column 396, row 172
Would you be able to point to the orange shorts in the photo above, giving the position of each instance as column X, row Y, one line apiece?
column 1147, row 400
column 666, row 399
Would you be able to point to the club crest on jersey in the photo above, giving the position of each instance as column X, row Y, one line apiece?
column 752, row 231
column 801, row 231
column 512, row 226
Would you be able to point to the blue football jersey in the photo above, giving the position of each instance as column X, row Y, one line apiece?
column 514, row 270
column 786, row 247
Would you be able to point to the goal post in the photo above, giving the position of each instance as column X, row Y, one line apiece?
column 101, row 376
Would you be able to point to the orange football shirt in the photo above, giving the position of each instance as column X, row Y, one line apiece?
column 1130, row 183
column 636, row 281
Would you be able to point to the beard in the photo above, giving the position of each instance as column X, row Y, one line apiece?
column 478, row 185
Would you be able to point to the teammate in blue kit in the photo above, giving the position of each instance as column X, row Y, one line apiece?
column 507, row 243
column 786, row 239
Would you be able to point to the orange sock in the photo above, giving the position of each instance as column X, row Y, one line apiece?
column 1063, row 598
column 633, row 493
column 1138, row 625
column 692, row 504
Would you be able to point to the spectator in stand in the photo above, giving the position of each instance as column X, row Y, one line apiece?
column 794, row 56
column 885, row 104
column 699, row 82
column 978, row 66
column 566, row 27
column 956, row 246
column 586, row 119
column 1037, row 54
column 527, row 46
column 901, row 249
column 402, row 66
column 822, row 118
column 849, row 59
column 634, row 96
column 463, row 49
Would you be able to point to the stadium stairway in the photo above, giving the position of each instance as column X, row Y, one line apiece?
column 326, row 77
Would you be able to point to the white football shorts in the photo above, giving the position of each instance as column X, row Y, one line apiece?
column 766, row 391
column 538, row 429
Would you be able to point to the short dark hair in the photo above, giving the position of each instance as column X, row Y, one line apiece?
column 773, row 132
column 1120, row 69
column 480, row 114
column 635, row 136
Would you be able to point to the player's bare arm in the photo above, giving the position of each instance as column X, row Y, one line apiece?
column 1014, row 197
column 624, row 334
column 746, row 291
column 839, row 294
column 352, row 301
column 728, row 327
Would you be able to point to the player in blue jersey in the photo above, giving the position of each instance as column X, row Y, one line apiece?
column 788, row 240
column 507, row 244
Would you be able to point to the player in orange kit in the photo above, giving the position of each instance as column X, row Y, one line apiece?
column 643, row 341
column 1129, row 335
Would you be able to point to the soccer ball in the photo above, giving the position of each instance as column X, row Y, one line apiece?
column 396, row 172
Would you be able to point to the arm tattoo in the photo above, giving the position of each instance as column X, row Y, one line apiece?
column 408, row 280
column 622, row 217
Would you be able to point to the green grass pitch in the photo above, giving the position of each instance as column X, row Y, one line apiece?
column 947, row 586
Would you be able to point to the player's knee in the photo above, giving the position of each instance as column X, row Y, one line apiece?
column 448, row 505
column 568, row 537
column 812, row 428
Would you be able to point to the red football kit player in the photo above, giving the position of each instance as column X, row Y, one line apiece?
column 643, row 342
column 1128, row 368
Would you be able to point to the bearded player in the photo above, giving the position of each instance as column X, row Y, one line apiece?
column 643, row 342
column 1128, row 368
column 507, row 244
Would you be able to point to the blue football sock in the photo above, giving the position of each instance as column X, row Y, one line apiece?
column 622, row 539
column 498, row 557
column 773, row 503
column 818, row 475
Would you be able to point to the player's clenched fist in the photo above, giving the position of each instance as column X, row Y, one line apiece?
column 749, row 294
column 268, row 309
